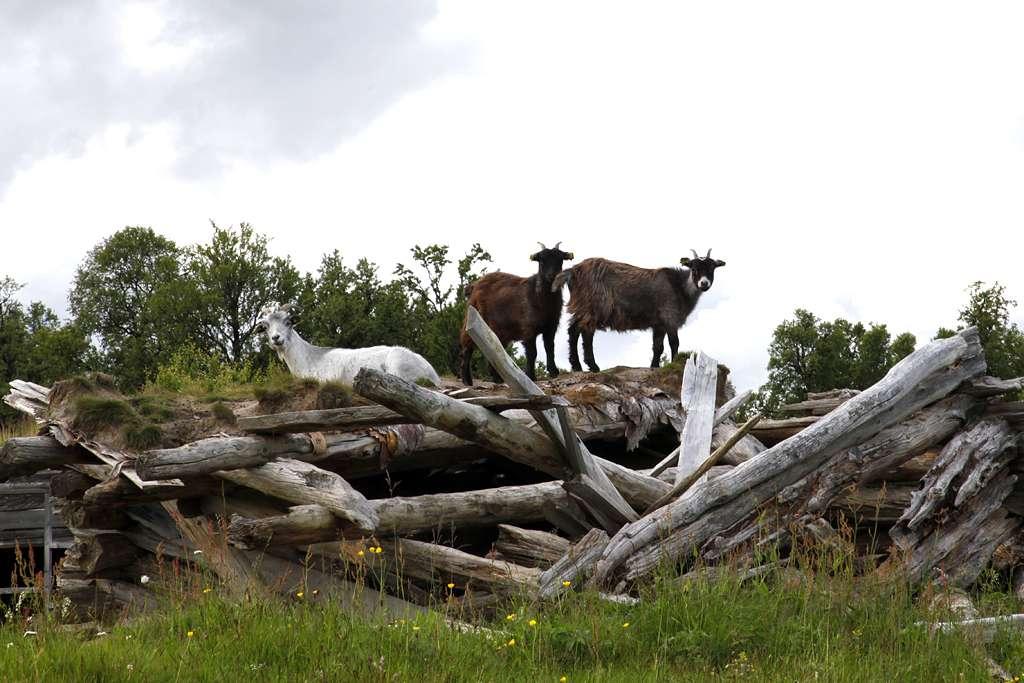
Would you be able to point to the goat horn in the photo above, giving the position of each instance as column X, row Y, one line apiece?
column 541, row 245
column 709, row 254
column 695, row 256
column 557, row 244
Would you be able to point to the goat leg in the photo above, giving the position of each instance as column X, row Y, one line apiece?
column 658, row 347
column 673, row 344
column 467, row 365
column 588, row 351
column 549, row 350
column 574, row 351
column 530, row 346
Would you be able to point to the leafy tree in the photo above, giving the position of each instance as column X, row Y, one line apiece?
column 809, row 354
column 234, row 276
column 988, row 309
column 122, row 294
column 437, row 305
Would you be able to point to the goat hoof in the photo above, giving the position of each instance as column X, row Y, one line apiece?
column 593, row 368
column 552, row 372
column 576, row 367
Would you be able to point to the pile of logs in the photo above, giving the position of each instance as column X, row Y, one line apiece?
column 918, row 471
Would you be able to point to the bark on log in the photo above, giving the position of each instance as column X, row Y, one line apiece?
column 745, row 449
column 921, row 378
column 94, row 553
column 529, row 548
column 70, row 484
column 22, row 455
column 119, row 492
column 771, row 432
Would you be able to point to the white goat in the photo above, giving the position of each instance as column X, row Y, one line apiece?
column 337, row 365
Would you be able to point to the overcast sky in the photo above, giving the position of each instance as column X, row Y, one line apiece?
column 863, row 160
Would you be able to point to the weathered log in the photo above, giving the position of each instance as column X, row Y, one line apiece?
column 821, row 404
column 575, row 566
column 771, row 432
column 362, row 417
column 495, row 432
column 528, row 548
column 921, row 378
column 986, row 387
column 70, row 484
column 23, row 455
column 956, row 521
column 684, row 484
column 697, row 397
column 441, row 565
column 745, row 449
column 96, row 552
column 119, row 492
column 305, row 484
column 603, row 499
column 883, row 504
column 77, row 515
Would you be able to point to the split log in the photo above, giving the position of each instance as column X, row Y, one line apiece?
column 987, row 387
column 77, row 515
column 95, row 552
column 441, row 565
column 603, row 499
column 669, row 533
column 362, row 417
column 22, row 455
column 529, row 548
column 822, row 403
column 697, row 397
column 305, row 484
column 745, row 449
column 70, row 484
column 882, row 504
column 575, row 566
column 119, row 492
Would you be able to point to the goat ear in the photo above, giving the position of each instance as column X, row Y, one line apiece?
column 534, row 257
column 685, row 261
column 570, row 256
column 719, row 263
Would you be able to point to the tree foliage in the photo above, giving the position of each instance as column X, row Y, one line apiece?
column 988, row 309
column 810, row 354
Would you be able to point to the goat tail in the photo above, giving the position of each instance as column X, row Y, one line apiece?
column 562, row 279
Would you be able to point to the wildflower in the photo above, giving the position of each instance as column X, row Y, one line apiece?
column 10, row 644
column 101, row 633
column 512, row 643
column 532, row 622
column 207, row 589
column 128, row 637
column 378, row 550
column 131, row 667
column 360, row 553
column 197, row 552
column 563, row 679
column 566, row 583
column 190, row 634
column 625, row 625
column 415, row 628
column 299, row 595
column 511, row 617
column 451, row 585
column 144, row 580
column 28, row 633
column 316, row 592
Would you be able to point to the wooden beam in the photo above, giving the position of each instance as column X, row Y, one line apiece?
column 697, row 397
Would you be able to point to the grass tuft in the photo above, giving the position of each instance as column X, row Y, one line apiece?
column 223, row 413
column 142, row 436
column 93, row 413
column 333, row 395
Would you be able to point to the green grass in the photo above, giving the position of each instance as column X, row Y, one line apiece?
column 333, row 395
column 21, row 427
column 766, row 630
column 223, row 413
column 142, row 435
column 93, row 413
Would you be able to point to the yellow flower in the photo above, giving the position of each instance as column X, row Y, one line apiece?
column 567, row 583
column 512, row 643
column 532, row 622
column 563, row 679
column 299, row 595
column 360, row 553
column 415, row 628
column 207, row 590
column 511, row 617
column 451, row 586
column 625, row 625
column 190, row 634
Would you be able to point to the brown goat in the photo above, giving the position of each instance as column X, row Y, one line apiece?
column 518, row 309
column 607, row 295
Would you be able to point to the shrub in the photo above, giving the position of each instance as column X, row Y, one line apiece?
column 223, row 413
column 193, row 371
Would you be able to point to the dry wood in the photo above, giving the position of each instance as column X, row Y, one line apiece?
column 745, row 449
column 683, row 485
column 921, row 378
column 697, row 397
column 604, row 500
column 23, row 455
column 575, row 566
column 986, row 387
column 361, row 417
column 529, row 548
column 95, row 552
column 442, row 565
column 305, row 484
column 771, row 432
column 119, row 492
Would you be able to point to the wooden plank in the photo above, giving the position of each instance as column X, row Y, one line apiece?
column 23, row 519
column 697, row 396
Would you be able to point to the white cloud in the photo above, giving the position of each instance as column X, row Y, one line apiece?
column 861, row 160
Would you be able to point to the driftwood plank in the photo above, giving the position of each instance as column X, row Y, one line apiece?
column 529, row 547
column 697, row 396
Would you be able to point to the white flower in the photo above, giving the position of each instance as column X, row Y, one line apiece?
column 10, row 644
column 29, row 633
column 197, row 552
column 131, row 667
column 101, row 633
column 144, row 580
